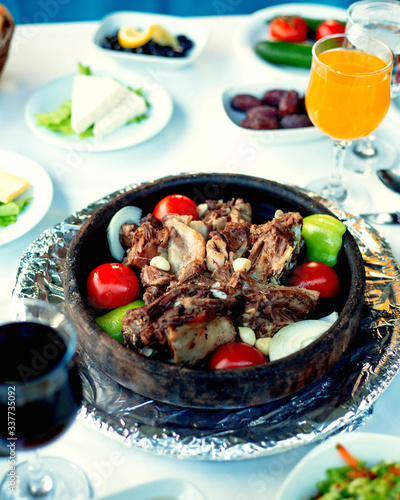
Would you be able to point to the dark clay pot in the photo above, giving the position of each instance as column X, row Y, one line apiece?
column 194, row 387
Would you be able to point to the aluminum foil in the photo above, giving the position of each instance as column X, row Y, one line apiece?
column 340, row 401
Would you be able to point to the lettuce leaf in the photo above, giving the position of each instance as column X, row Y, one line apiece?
column 58, row 120
column 9, row 211
column 84, row 70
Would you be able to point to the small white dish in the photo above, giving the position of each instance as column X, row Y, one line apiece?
column 52, row 95
column 256, row 30
column 369, row 447
column 41, row 190
column 163, row 489
column 266, row 138
column 191, row 28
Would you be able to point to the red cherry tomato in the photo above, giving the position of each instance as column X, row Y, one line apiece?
column 288, row 29
column 112, row 285
column 329, row 27
column 235, row 355
column 176, row 204
column 316, row 276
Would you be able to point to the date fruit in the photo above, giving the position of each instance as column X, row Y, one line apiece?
column 295, row 121
column 244, row 102
column 273, row 97
column 276, row 109
column 262, row 112
column 288, row 103
column 260, row 123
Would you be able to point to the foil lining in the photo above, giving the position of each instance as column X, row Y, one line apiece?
column 340, row 401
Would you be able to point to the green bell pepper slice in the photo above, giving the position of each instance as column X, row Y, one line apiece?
column 111, row 322
column 323, row 235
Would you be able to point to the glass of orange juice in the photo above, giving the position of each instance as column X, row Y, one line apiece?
column 347, row 97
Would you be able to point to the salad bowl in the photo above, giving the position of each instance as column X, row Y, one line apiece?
column 367, row 447
column 198, row 387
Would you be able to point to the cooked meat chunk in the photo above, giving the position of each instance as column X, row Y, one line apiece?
column 271, row 309
column 236, row 235
column 190, row 343
column 229, row 244
column 185, row 246
column 219, row 212
column 189, row 320
column 147, row 242
column 126, row 233
column 275, row 247
column 190, row 272
column 199, row 226
column 152, row 276
column 152, row 293
column 216, row 252
column 241, row 211
column 223, row 274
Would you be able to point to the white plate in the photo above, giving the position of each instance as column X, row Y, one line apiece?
column 266, row 138
column 193, row 29
column 369, row 447
column 163, row 489
column 256, row 29
column 52, row 95
column 41, row 189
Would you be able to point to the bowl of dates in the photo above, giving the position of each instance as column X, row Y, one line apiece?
column 270, row 113
column 183, row 43
column 203, row 299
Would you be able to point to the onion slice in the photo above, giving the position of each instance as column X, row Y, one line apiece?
column 126, row 214
column 296, row 336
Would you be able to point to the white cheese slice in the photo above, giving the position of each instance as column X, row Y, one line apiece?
column 93, row 97
column 130, row 107
column 11, row 186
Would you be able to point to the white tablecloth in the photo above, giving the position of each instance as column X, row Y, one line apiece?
column 198, row 139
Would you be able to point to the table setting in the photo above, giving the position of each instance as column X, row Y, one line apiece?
column 144, row 427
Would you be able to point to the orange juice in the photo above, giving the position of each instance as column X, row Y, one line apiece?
column 348, row 95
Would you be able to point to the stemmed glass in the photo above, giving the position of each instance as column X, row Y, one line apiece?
column 378, row 19
column 347, row 97
column 40, row 394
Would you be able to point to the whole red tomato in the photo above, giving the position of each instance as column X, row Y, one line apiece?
column 235, row 355
column 316, row 276
column 329, row 27
column 176, row 204
column 288, row 29
column 112, row 285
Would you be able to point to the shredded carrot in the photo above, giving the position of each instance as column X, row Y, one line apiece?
column 347, row 456
column 395, row 470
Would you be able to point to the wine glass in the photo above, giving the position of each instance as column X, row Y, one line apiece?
column 347, row 97
column 379, row 19
column 40, row 394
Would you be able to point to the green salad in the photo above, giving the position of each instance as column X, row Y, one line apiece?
column 9, row 211
column 356, row 481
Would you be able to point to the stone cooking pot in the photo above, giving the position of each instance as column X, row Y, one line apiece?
column 196, row 387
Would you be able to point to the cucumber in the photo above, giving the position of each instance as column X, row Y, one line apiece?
column 288, row 53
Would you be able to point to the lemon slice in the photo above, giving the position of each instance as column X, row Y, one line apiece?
column 130, row 38
column 162, row 36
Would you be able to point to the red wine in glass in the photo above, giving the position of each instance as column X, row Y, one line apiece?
column 47, row 396
column 40, row 395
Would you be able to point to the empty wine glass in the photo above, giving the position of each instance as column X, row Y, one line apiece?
column 40, row 394
column 379, row 19
column 347, row 97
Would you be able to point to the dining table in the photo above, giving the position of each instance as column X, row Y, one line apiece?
column 199, row 138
